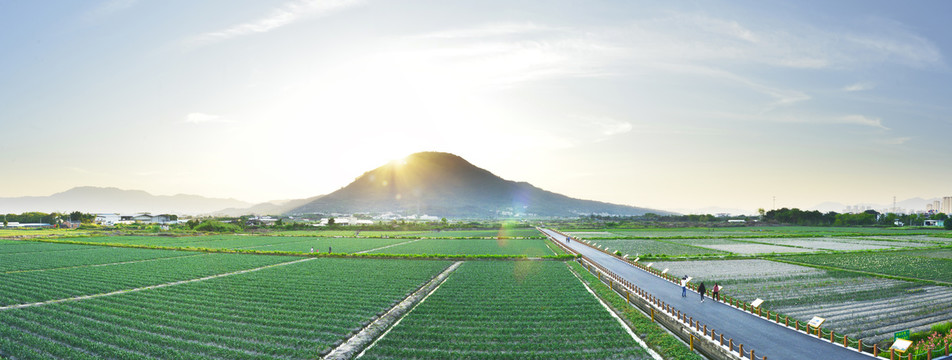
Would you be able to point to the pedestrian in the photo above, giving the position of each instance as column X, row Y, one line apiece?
column 701, row 289
column 312, row 249
column 714, row 292
column 329, row 250
column 568, row 239
column 684, row 286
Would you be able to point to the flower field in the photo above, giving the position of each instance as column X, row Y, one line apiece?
column 508, row 310
column 296, row 311
column 866, row 307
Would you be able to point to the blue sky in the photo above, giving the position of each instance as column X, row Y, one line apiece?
column 671, row 106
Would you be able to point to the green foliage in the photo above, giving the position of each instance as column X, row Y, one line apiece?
column 508, row 310
column 657, row 338
column 216, row 226
column 296, row 311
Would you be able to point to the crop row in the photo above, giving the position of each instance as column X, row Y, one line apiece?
column 900, row 264
column 470, row 247
column 36, row 286
column 90, row 255
column 294, row 311
column 25, row 247
column 508, row 310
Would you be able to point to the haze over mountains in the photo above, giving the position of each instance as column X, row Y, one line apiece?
column 112, row 200
column 431, row 183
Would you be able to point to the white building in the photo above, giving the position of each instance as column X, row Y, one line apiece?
column 946, row 205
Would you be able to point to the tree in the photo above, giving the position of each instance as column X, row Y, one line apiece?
column 947, row 224
column 330, row 222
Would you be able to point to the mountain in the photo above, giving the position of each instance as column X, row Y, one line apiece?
column 112, row 200
column 267, row 208
column 444, row 184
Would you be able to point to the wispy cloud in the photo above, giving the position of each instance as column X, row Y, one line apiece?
column 199, row 118
column 282, row 16
column 861, row 86
column 861, row 120
column 895, row 141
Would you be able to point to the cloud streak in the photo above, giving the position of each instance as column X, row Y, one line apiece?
column 284, row 15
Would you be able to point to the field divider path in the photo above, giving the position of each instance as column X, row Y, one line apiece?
column 157, row 286
column 107, row 264
column 388, row 246
column 769, row 338
column 377, row 329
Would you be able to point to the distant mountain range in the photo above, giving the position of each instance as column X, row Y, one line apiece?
column 431, row 183
column 112, row 200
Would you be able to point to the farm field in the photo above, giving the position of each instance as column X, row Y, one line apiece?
column 532, row 248
column 648, row 247
column 508, row 310
column 27, row 286
column 33, row 256
column 444, row 234
column 909, row 264
column 861, row 306
column 235, row 242
column 744, row 231
column 296, row 311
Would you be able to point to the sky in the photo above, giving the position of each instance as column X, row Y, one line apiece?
column 667, row 105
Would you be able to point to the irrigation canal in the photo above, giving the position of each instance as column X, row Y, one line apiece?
column 769, row 339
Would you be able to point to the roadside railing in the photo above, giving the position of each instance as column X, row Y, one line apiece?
column 775, row 317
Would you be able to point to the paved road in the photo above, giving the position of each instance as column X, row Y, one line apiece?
column 775, row 341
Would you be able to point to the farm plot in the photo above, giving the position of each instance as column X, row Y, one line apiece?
column 24, row 247
column 346, row 233
column 828, row 244
column 55, row 257
column 748, row 248
column 470, row 247
column 908, row 264
column 42, row 285
column 508, row 310
column 297, row 311
column 274, row 243
column 648, row 247
column 459, row 234
column 864, row 307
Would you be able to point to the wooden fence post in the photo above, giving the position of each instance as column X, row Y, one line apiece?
column 741, row 347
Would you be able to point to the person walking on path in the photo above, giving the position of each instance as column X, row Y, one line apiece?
column 714, row 292
column 701, row 289
column 684, row 286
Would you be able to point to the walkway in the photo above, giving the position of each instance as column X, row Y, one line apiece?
column 767, row 338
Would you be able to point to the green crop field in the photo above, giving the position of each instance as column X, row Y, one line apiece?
column 470, row 247
column 23, row 247
column 647, row 248
column 508, row 310
column 52, row 257
column 234, row 242
column 937, row 266
column 41, row 285
column 297, row 311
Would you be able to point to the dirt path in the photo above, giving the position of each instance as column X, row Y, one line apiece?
column 380, row 327
column 84, row 297
column 381, row 248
